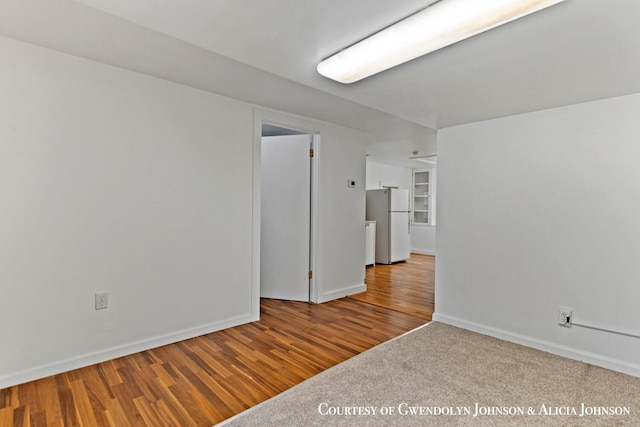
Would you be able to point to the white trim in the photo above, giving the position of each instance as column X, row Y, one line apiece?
column 340, row 293
column 77, row 362
column 423, row 252
column 315, row 218
column 255, row 214
column 550, row 347
column 306, row 126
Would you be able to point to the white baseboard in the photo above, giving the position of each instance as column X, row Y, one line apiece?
column 423, row 252
column 355, row 289
column 76, row 362
column 549, row 347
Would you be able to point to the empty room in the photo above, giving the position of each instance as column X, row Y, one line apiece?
column 162, row 264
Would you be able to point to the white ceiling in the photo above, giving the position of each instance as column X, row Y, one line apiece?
column 577, row 51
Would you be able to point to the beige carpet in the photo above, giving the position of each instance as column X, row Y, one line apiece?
column 439, row 375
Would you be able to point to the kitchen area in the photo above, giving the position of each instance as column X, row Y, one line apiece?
column 400, row 213
column 400, row 238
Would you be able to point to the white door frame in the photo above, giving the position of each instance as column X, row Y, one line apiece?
column 304, row 126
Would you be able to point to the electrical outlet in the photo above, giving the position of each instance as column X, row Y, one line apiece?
column 102, row 300
column 565, row 317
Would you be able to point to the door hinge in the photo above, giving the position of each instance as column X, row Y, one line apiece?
column 310, row 274
column 311, row 152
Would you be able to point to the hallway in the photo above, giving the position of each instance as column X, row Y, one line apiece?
column 407, row 287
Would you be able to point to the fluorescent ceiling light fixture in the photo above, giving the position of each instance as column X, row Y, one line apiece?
column 441, row 24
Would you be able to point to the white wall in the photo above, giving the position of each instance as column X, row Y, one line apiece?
column 339, row 240
column 423, row 237
column 112, row 181
column 541, row 210
column 380, row 175
column 341, row 229
column 115, row 181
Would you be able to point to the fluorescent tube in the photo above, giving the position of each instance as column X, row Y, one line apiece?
column 439, row 25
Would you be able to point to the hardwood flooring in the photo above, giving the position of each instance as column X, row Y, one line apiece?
column 407, row 287
column 202, row 381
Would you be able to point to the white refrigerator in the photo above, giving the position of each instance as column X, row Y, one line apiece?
column 389, row 207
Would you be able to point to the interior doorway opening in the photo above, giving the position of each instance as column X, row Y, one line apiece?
column 287, row 213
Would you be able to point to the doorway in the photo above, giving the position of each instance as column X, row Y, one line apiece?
column 286, row 214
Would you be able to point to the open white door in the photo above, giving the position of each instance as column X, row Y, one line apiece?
column 285, row 217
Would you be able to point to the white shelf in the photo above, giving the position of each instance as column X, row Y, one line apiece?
column 421, row 180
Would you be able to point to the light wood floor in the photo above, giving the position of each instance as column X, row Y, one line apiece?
column 202, row 381
column 406, row 287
